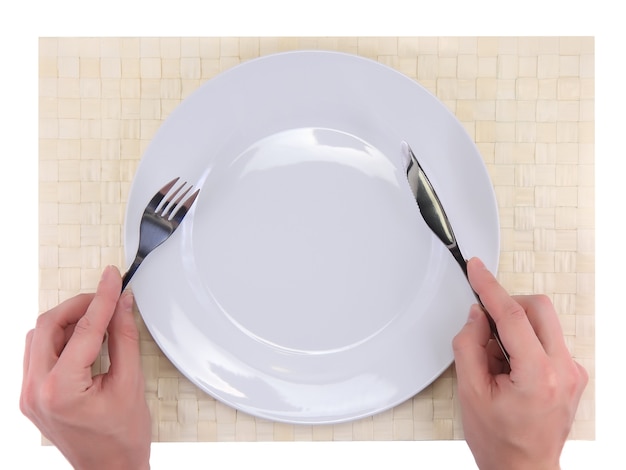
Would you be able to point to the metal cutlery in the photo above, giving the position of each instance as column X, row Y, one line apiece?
column 435, row 217
column 160, row 219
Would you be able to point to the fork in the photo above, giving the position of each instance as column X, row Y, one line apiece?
column 159, row 220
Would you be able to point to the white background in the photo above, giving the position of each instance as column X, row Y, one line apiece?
column 20, row 27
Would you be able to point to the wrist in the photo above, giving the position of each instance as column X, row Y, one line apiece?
column 520, row 465
column 119, row 463
column 114, row 465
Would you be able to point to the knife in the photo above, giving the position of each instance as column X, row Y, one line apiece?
column 435, row 217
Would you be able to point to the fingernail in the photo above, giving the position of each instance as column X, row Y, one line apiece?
column 127, row 301
column 479, row 263
column 473, row 313
column 105, row 273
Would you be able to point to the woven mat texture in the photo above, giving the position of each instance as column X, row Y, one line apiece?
column 527, row 102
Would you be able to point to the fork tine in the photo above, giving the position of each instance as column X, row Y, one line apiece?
column 171, row 206
column 168, row 200
column 182, row 211
column 158, row 197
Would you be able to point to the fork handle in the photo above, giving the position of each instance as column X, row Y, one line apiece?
column 131, row 272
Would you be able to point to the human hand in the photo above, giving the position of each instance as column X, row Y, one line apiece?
column 99, row 422
column 517, row 419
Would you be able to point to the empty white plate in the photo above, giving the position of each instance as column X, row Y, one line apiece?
column 304, row 285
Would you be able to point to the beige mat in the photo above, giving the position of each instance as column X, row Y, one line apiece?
column 528, row 103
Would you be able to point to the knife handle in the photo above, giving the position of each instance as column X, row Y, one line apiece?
column 458, row 256
column 494, row 330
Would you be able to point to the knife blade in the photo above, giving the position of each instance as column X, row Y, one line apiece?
column 435, row 217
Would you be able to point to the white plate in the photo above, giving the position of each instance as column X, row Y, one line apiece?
column 304, row 286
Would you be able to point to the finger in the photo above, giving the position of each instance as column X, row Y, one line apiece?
column 29, row 342
column 86, row 342
column 583, row 380
column 69, row 331
column 26, row 379
column 124, row 342
column 515, row 330
column 28, row 385
column 48, row 338
column 545, row 323
column 470, row 353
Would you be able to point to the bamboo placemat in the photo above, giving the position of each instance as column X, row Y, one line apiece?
column 527, row 102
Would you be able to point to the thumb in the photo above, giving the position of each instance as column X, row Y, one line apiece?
column 85, row 343
column 470, row 350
